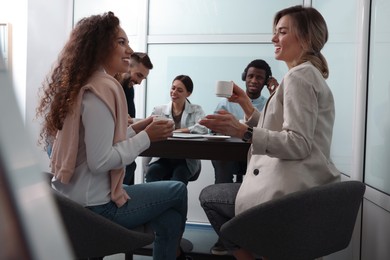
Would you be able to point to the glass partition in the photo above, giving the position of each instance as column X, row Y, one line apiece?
column 378, row 106
column 128, row 12
column 180, row 17
column 341, row 53
column 205, row 64
column 5, row 44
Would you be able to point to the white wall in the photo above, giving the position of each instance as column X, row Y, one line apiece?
column 39, row 29
column 15, row 14
column 48, row 24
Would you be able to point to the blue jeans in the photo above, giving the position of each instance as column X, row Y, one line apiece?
column 218, row 202
column 161, row 204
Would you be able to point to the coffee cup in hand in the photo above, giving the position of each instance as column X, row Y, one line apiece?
column 160, row 117
column 224, row 89
column 164, row 118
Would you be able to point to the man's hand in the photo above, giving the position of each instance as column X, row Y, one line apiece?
column 129, row 120
column 272, row 85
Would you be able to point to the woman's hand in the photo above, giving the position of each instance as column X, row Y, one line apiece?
column 224, row 123
column 141, row 124
column 239, row 96
column 182, row 130
column 159, row 130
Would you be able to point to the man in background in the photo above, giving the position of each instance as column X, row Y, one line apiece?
column 139, row 68
column 256, row 75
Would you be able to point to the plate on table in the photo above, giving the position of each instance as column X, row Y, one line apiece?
column 217, row 137
column 186, row 135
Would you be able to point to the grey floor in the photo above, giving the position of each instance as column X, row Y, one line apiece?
column 201, row 236
column 122, row 257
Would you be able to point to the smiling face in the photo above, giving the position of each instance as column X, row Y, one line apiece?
column 118, row 60
column 178, row 92
column 138, row 72
column 288, row 48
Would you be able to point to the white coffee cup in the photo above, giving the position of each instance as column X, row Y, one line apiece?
column 224, row 89
column 160, row 117
column 164, row 118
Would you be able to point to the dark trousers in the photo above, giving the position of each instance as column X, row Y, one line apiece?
column 218, row 202
column 225, row 170
column 168, row 169
column 129, row 174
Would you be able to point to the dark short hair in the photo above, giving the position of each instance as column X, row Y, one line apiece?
column 258, row 64
column 187, row 81
column 142, row 58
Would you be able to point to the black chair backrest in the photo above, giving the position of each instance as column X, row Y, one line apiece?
column 92, row 235
column 302, row 225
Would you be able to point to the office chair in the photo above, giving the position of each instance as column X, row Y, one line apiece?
column 303, row 225
column 93, row 236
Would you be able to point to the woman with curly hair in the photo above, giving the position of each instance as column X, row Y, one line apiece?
column 84, row 115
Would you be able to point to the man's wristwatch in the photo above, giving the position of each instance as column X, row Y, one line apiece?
column 248, row 134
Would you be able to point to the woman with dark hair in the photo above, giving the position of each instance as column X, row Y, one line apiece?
column 291, row 137
column 185, row 116
column 85, row 120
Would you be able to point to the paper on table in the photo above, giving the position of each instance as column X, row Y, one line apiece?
column 186, row 135
column 216, row 137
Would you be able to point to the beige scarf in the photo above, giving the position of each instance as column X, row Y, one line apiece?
column 63, row 160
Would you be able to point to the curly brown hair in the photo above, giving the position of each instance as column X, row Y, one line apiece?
column 91, row 42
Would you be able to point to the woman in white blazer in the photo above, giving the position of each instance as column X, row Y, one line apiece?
column 186, row 117
column 291, row 138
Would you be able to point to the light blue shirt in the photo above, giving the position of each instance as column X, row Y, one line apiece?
column 236, row 109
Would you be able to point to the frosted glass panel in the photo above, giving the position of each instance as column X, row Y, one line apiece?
column 205, row 64
column 214, row 16
column 5, row 39
column 341, row 54
column 377, row 172
column 127, row 11
column 342, row 82
column 344, row 24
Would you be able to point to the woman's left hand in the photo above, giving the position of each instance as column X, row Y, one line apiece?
column 141, row 124
column 224, row 123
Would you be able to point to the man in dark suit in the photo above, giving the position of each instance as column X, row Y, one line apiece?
column 140, row 65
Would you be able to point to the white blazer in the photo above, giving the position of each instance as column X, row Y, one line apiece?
column 291, row 141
